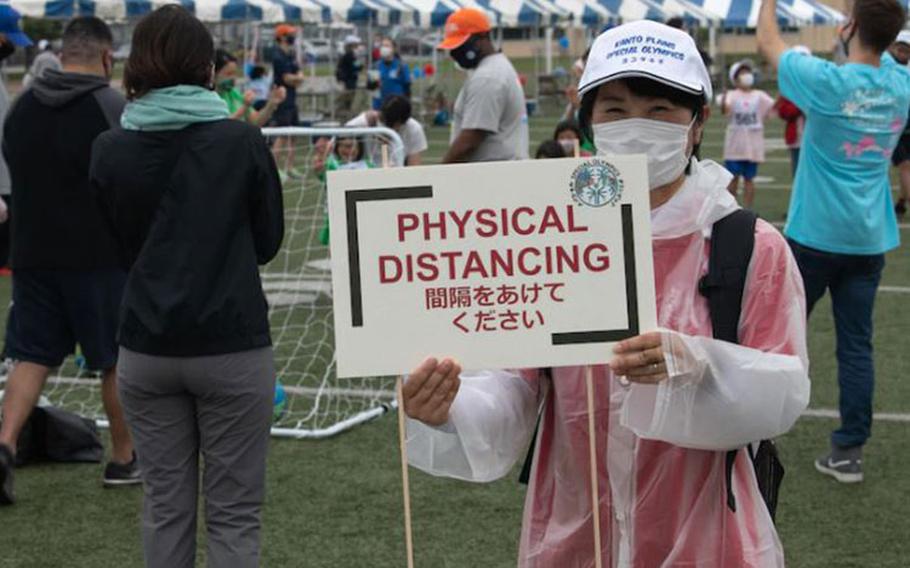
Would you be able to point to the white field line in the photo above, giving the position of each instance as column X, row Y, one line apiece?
column 894, row 289
column 880, row 416
column 390, row 394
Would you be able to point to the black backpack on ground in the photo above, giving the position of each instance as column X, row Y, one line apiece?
column 732, row 242
column 56, row 435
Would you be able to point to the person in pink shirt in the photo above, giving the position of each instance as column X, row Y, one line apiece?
column 746, row 109
column 671, row 402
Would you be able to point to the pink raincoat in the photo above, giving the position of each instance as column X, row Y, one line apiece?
column 661, row 448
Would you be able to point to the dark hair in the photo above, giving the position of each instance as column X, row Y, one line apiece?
column 222, row 58
column 358, row 144
column 257, row 72
column 676, row 22
column 550, row 149
column 647, row 88
column 170, row 47
column 878, row 22
column 395, row 109
column 85, row 38
column 567, row 125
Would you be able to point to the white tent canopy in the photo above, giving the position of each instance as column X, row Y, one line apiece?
column 432, row 13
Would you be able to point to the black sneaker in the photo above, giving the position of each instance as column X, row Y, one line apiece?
column 7, row 463
column 118, row 474
column 900, row 209
column 845, row 469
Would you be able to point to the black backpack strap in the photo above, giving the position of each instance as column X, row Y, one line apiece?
column 525, row 476
column 732, row 242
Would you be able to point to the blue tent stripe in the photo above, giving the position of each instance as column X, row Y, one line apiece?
column 86, row 8
column 439, row 15
column 394, row 13
column 589, row 17
column 611, row 5
column 326, row 11
column 240, row 10
column 59, row 9
column 134, row 9
column 360, row 12
column 738, row 14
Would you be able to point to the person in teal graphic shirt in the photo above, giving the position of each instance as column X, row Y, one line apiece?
column 841, row 218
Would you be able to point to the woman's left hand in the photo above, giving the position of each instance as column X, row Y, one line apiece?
column 641, row 359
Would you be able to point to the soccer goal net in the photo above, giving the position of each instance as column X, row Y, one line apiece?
column 312, row 402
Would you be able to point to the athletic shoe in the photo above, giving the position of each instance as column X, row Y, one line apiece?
column 118, row 474
column 7, row 462
column 842, row 468
column 901, row 208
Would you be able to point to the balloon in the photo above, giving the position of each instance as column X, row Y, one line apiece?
column 429, row 70
column 564, row 42
column 417, row 73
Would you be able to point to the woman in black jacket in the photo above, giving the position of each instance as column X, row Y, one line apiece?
column 195, row 202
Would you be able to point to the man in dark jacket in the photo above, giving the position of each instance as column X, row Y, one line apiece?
column 68, row 276
column 348, row 74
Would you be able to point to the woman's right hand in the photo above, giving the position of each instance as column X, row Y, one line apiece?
column 430, row 390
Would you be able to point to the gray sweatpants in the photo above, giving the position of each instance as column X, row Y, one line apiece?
column 219, row 407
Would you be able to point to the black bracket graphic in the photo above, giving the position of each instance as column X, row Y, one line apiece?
column 611, row 335
column 352, row 198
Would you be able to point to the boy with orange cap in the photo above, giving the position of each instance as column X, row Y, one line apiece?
column 288, row 75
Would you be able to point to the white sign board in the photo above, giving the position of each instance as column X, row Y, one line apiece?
column 500, row 265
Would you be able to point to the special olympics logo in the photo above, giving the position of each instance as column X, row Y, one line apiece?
column 596, row 183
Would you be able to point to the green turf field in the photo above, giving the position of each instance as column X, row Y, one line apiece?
column 336, row 502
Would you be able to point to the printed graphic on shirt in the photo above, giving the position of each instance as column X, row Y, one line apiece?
column 864, row 109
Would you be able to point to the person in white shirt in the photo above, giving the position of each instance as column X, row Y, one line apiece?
column 395, row 113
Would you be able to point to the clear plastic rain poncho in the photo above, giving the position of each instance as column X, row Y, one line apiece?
column 661, row 448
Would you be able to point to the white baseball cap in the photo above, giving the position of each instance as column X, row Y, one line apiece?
column 736, row 67
column 648, row 50
column 802, row 50
column 352, row 40
column 903, row 37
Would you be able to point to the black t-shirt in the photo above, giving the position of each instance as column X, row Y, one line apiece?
column 282, row 64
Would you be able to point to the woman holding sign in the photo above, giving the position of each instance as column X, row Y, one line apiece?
column 671, row 404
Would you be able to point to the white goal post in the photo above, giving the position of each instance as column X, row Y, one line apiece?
column 298, row 287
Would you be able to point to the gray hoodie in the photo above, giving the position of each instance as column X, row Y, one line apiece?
column 59, row 88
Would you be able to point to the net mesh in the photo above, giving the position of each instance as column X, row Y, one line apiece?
column 298, row 286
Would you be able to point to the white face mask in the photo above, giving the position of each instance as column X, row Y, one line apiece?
column 747, row 80
column 568, row 146
column 386, row 52
column 664, row 143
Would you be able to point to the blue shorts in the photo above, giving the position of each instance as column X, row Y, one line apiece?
column 742, row 168
column 52, row 310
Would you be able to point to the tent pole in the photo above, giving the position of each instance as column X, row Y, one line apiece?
column 548, row 50
column 712, row 40
column 246, row 40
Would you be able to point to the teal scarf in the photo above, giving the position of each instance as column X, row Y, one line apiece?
column 173, row 108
